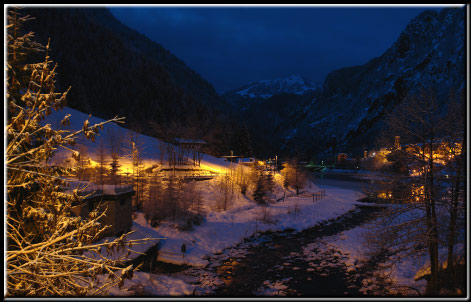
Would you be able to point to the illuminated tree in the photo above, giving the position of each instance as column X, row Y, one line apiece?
column 50, row 251
column 420, row 189
column 224, row 192
column 294, row 175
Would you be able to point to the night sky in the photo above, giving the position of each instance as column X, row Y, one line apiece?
column 234, row 46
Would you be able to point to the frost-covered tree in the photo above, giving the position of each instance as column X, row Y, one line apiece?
column 224, row 194
column 82, row 161
column 431, row 202
column 269, row 183
column 294, row 175
column 154, row 208
column 50, row 252
column 242, row 178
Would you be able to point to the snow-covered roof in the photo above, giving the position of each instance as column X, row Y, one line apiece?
column 86, row 188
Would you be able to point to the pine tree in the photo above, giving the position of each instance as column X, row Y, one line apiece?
column 115, row 141
column 241, row 142
column 114, row 168
column 170, row 197
column 260, row 194
column 269, row 183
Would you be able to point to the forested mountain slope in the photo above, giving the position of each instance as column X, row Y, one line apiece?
column 114, row 70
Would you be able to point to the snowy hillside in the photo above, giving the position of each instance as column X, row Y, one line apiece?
column 149, row 147
column 221, row 229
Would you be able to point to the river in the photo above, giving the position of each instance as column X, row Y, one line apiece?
column 277, row 264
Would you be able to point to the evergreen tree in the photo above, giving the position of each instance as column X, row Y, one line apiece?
column 171, row 196
column 269, row 183
column 241, row 142
column 114, row 168
column 260, row 194
column 115, row 141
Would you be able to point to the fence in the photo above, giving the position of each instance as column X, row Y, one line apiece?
column 318, row 195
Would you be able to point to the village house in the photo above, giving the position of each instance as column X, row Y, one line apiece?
column 115, row 201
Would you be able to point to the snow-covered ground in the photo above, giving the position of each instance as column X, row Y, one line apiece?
column 222, row 229
column 243, row 219
column 228, row 228
column 353, row 250
column 145, row 284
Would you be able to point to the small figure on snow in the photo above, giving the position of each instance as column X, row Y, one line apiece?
column 183, row 250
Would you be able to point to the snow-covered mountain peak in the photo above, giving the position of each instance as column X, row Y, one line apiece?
column 267, row 88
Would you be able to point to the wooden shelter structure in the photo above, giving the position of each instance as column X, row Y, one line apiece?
column 187, row 152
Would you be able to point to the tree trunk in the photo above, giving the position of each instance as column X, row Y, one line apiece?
column 452, row 223
column 434, row 228
column 456, row 185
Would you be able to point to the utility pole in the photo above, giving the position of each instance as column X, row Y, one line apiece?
column 232, row 154
column 275, row 168
column 230, row 157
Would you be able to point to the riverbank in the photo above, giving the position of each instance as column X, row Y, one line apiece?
column 245, row 219
column 224, row 230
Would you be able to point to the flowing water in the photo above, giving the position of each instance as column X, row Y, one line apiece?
column 281, row 258
column 275, row 263
column 278, row 263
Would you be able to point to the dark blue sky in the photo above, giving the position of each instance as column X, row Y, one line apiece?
column 234, row 46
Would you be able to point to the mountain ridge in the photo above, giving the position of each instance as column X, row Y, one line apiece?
column 350, row 106
column 114, row 70
column 264, row 89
